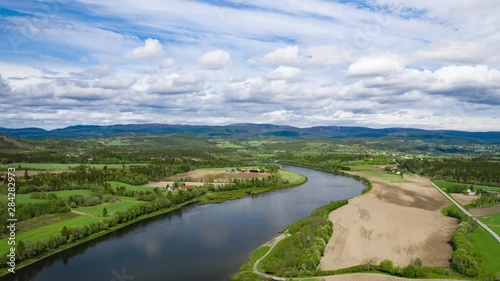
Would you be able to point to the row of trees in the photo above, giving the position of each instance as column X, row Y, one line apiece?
column 486, row 200
column 300, row 254
column 464, row 257
column 474, row 171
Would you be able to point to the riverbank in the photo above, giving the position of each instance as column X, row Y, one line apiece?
column 216, row 197
column 376, row 226
column 354, row 224
column 62, row 248
column 293, row 179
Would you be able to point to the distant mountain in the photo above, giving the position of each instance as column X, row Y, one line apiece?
column 250, row 131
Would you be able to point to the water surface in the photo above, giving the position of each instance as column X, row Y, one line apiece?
column 208, row 242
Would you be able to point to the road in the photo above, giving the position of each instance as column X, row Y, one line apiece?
column 464, row 210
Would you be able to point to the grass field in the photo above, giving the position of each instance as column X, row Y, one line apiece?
column 48, row 230
column 489, row 249
column 445, row 184
column 25, row 198
column 43, row 220
column 265, row 155
column 117, row 143
column 227, row 144
column 122, row 205
column 60, row 166
column 256, row 143
column 371, row 170
column 259, row 253
column 293, row 178
column 115, row 184
column 493, row 221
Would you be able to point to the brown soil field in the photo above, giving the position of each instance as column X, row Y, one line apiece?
column 464, row 199
column 219, row 176
column 372, row 277
column 20, row 173
column 170, row 183
column 485, row 211
column 396, row 221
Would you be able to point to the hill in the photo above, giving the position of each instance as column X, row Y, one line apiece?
column 244, row 131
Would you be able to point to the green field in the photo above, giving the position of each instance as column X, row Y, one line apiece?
column 115, row 184
column 493, row 221
column 489, row 248
column 123, row 204
column 26, row 198
column 265, row 155
column 49, row 230
column 60, row 166
column 259, row 253
column 228, row 144
column 445, row 184
column 362, row 166
column 43, row 220
column 373, row 171
column 292, row 178
column 118, row 143
column 23, row 199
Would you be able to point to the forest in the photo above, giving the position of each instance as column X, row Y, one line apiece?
column 478, row 170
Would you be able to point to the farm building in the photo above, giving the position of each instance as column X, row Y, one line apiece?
column 470, row 192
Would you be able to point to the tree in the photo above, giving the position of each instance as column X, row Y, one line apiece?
column 386, row 266
column 21, row 250
column 26, row 175
column 65, row 232
column 104, row 212
column 5, row 180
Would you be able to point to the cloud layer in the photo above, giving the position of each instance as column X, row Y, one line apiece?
column 379, row 63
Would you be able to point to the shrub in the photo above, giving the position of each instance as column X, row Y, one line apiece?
column 386, row 266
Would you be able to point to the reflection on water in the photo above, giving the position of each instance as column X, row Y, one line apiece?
column 206, row 242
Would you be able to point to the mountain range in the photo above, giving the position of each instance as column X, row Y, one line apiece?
column 248, row 130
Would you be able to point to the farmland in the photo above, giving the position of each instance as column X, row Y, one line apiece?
column 488, row 249
column 492, row 220
column 60, row 166
column 375, row 226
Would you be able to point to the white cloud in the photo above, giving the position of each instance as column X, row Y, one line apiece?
column 459, row 52
column 214, row 59
column 326, row 55
column 4, row 87
column 284, row 72
column 111, row 82
column 175, row 84
column 168, row 62
column 152, row 49
column 375, row 66
column 422, row 63
column 282, row 56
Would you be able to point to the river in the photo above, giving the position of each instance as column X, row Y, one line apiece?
column 195, row 243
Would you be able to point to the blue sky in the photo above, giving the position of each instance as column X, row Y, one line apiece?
column 378, row 63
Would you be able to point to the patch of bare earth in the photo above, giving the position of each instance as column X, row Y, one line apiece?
column 485, row 211
column 20, row 173
column 396, row 221
column 218, row 176
column 170, row 183
column 464, row 199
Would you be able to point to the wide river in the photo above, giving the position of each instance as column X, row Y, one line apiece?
column 195, row 243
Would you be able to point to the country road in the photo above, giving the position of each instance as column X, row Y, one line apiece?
column 463, row 209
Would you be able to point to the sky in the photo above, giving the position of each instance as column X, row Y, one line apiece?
column 378, row 63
